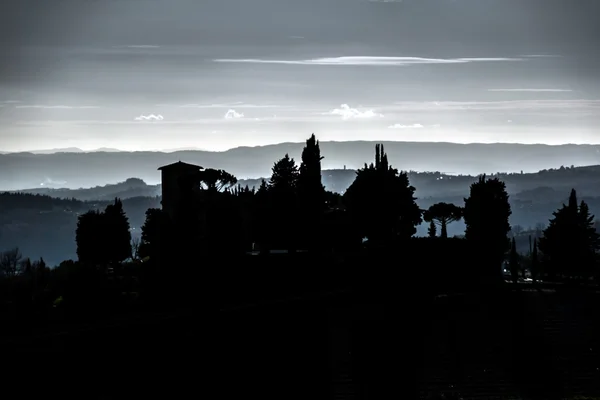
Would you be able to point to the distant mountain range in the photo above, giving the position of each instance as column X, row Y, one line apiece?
column 76, row 169
column 99, row 150
column 64, row 150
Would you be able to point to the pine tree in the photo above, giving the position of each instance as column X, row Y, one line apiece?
column 443, row 214
column 570, row 242
column 432, row 231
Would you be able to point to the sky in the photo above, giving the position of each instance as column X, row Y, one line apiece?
column 217, row 74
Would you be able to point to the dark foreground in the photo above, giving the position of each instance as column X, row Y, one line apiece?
column 504, row 344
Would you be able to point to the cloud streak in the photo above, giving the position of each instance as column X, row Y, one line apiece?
column 520, row 105
column 347, row 112
column 531, row 90
column 138, row 46
column 400, row 126
column 58, row 107
column 223, row 105
column 367, row 61
column 150, row 117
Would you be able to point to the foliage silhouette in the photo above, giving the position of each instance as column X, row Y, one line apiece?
column 486, row 213
column 10, row 262
column 432, row 230
column 382, row 203
column 283, row 203
column 443, row 214
column 103, row 237
column 311, row 195
column 216, row 180
column 197, row 261
column 513, row 263
column 570, row 242
column 535, row 264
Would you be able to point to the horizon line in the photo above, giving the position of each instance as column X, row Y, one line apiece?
column 79, row 150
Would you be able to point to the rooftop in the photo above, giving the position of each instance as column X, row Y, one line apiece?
column 181, row 165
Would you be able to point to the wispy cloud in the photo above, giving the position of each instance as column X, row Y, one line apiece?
column 223, row 105
column 531, row 90
column 150, row 117
column 367, row 61
column 518, row 105
column 542, row 56
column 57, row 107
column 347, row 112
column 10, row 102
column 400, row 126
column 138, row 46
column 232, row 114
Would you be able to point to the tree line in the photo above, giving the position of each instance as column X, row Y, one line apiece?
column 219, row 221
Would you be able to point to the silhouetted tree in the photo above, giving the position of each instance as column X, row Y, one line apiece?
column 216, row 180
column 118, row 235
column 516, row 230
column 513, row 263
column 381, row 201
column 135, row 249
column 10, row 261
column 90, row 238
column 311, row 194
column 443, row 214
column 432, row 230
column 486, row 215
column 26, row 266
column 535, row 266
column 570, row 241
column 283, row 203
column 156, row 235
column 261, row 219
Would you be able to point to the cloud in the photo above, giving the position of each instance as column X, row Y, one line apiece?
column 10, row 101
column 531, row 90
column 150, row 117
column 400, row 126
column 50, row 181
column 232, row 114
column 346, row 112
column 58, row 107
column 367, row 61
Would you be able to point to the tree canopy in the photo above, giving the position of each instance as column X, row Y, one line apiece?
column 381, row 201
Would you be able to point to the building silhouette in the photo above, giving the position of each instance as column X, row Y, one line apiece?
column 177, row 179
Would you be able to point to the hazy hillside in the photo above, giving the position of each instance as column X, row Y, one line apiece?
column 74, row 170
column 45, row 226
column 132, row 187
column 546, row 185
